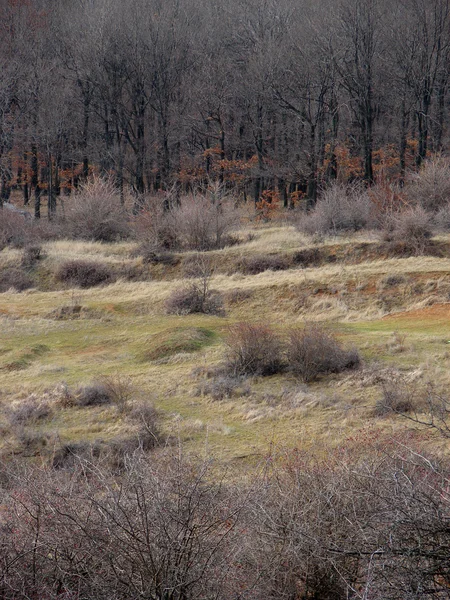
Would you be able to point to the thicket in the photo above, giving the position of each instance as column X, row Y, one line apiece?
column 311, row 351
column 370, row 520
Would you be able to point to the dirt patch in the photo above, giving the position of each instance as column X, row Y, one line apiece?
column 437, row 312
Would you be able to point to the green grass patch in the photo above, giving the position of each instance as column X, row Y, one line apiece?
column 26, row 358
column 165, row 344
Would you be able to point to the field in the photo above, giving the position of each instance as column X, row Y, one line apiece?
column 395, row 311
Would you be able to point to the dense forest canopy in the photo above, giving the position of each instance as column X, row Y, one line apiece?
column 270, row 97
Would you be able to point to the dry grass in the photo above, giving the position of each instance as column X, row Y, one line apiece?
column 129, row 320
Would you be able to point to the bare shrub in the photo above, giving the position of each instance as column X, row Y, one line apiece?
column 15, row 229
column 69, row 455
column 430, row 188
column 96, row 213
column 150, row 255
column 13, row 278
column 340, row 208
column 441, row 220
column 193, row 222
column 28, row 412
column 153, row 226
column 397, row 397
column 310, row 257
column 264, row 262
column 31, row 255
column 95, row 394
column 252, row 349
column 204, row 223
column 409, row 232
column 198, row 297
column 119, row 389
column 83, row 273
column 223, row 387
column 148, row 420
column 193, row 299
column 313, row 351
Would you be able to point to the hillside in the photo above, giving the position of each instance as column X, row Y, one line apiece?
column 393, row 310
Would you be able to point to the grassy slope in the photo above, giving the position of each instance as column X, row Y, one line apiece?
column 128, row 332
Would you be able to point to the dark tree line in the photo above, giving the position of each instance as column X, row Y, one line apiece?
column 278, row 95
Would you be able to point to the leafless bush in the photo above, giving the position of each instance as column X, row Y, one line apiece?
column 430, row 188
column 203, row 223
column 409, row 232
column 28, row 412
column 340, row 208
column 192, row 299
column 194, row 222
column 13, row 278
column 119, row 389
column 313, row 351
column 310, row 257
column 252, row 349
column 197, row 297
column 149, row 529
column 31, row 255
column 95, row 394
column 150, row 255
column 397, row 397
column 95, row 213
column 441, row 219
column 15, row 229
column 145, row 414
column 83, row 273
column 264, row 262
column 221, row 387
column 154, row 227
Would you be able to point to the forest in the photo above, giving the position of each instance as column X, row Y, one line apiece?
column 274, row 98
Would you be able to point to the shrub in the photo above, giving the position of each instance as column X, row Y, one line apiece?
column 152, row 256
column 15, row 229
column 310, row 257
column 340, row 208
column 252, row 349
column 193, row 299
column 441, row 219
column 430, row 188
column 119, row 390
column 31, row 255
column 197, row 297
column 204, row 223
column 264, row 262
column 154, row 226
column 409, row 232
column 12, row 278
column 148, row 420
column 397, row 397
column 28, row 412
column 95, row 394
column 223, row 386
column 312, row 351
column 83, row 273
column 96, row 213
